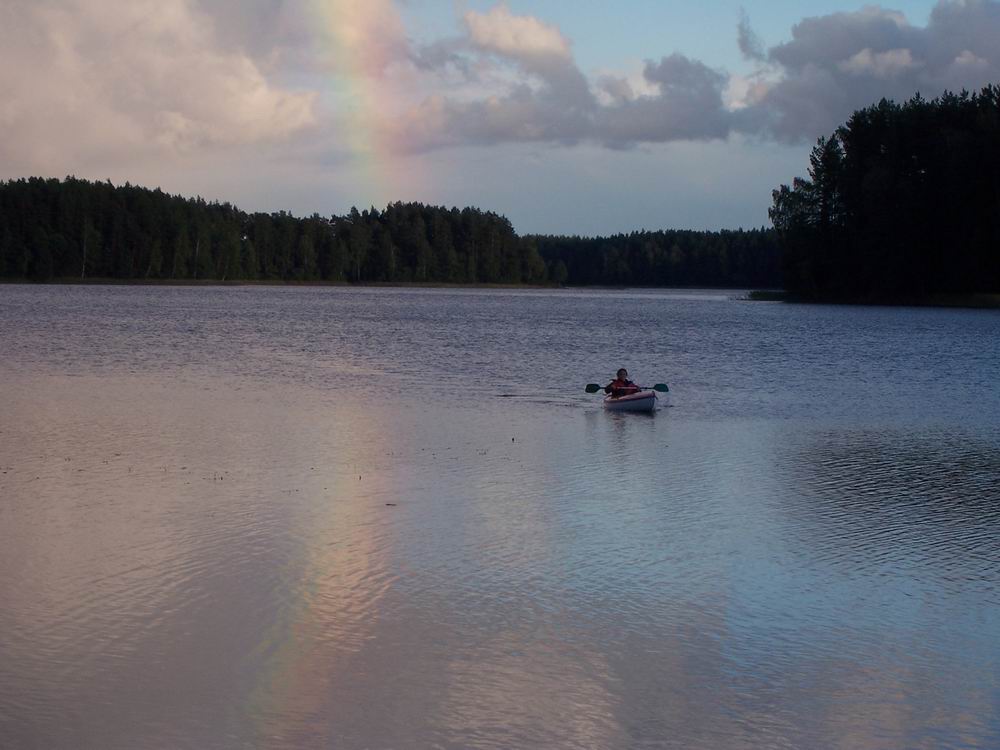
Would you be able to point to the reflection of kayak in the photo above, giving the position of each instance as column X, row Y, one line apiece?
column 641, row 401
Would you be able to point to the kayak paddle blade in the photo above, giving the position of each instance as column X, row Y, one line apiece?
column 661, row 387
column 593, row 388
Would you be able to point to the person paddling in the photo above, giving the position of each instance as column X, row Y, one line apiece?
column 621, row 385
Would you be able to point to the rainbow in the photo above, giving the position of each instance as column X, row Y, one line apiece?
column 334, row 596
column 361, row 39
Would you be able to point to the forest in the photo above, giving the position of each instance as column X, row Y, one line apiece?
column 902, row 204
column 729, row 258
column 76, row 229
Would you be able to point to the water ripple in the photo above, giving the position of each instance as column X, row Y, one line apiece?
column 307, row 518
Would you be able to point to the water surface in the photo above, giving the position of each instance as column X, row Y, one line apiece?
column 318, row 518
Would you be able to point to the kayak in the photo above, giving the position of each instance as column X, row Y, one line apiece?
column 641, row 401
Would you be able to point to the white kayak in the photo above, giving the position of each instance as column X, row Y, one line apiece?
column 641, row 401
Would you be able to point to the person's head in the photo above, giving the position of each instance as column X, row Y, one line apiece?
column 622, row 374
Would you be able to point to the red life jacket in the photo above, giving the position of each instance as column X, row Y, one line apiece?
column 618, row 388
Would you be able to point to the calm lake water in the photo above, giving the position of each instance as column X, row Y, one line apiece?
column 338, row 518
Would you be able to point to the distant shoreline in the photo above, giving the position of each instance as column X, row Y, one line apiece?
column 978, row 301
column 99, row 281
column 982, row 301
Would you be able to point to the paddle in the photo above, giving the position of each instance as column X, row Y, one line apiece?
column 661, row 387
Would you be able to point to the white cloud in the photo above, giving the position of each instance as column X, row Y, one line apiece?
column 99, row 82
column 614, row 87
column 800, row 89
column 967, row 59
column 92, row 81
column 744, row 91
column 518, row 37
column 369, row 34
column 841, row 62
column 886, row 64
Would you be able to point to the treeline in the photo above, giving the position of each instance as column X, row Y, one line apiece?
column 902, row 203
column 79, row 229
column 666, row 258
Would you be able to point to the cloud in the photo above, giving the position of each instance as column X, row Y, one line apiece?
column 801, row 88
column 688, row 105
column 538, row 49
column 751, row 46
column 370, row 34
column 305, row 36
column 99, row 81
column 827, row 40
column 837, row 63
column 677, row 99
column 84, row 81
column 523, row 38
column 551, row 100
column 966, row 59
column 887, row 64
column 442, row 54
column 261, row 29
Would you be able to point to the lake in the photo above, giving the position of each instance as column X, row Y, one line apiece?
column 275, row 517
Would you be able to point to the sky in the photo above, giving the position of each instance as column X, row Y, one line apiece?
column 566, row 116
